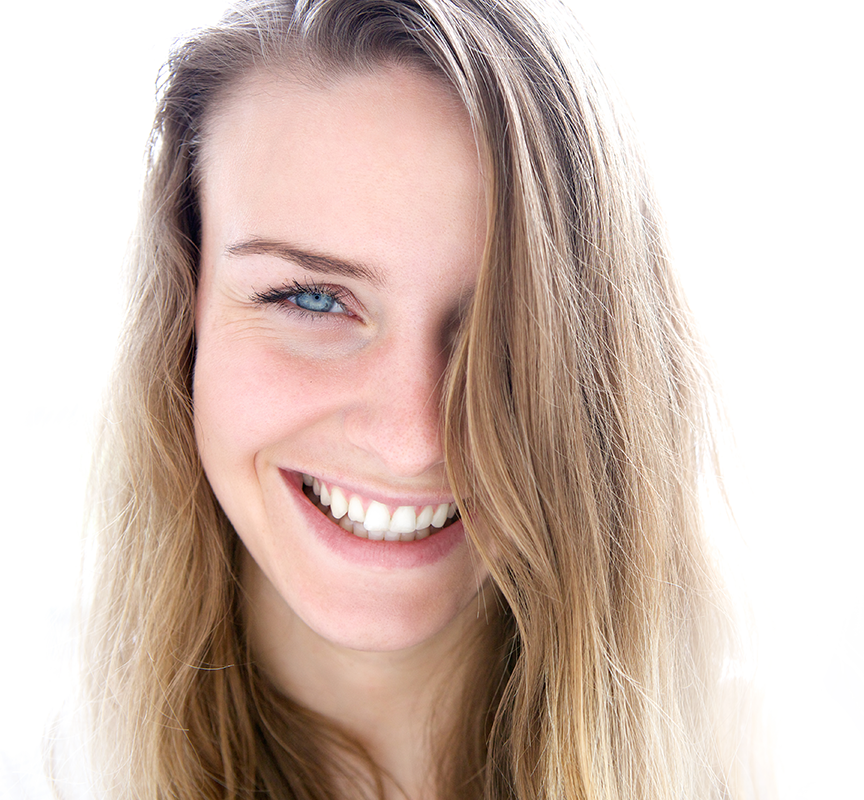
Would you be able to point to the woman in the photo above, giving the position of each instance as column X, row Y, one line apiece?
column 399, row 491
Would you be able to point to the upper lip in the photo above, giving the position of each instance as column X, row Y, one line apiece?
column 388, row 497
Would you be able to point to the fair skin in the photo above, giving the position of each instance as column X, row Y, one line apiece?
column 342, row 230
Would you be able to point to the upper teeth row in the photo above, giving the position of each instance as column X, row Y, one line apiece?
column 377, row 517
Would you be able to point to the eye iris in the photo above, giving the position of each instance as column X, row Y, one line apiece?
column 314, row 301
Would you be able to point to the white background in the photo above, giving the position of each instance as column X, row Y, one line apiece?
column 750, row 113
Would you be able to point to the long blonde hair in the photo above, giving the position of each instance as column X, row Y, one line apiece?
column 577, row 427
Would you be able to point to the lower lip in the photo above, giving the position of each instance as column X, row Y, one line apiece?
column 382, row 554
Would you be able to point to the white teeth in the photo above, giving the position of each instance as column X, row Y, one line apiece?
column 338, row 503
column 424, row 518
column 377, row 517
column 376, row 522
column 440, row 515
column 355, row 509
column 404, row 520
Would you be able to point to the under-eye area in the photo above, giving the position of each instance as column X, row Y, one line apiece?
column 376, row 521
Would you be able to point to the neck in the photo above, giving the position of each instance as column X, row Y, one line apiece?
column 397, row 704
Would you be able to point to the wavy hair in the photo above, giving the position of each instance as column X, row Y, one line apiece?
column 577, row 424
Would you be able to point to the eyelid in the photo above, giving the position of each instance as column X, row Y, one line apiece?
column 281, row 295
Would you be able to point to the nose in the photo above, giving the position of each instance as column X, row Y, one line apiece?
column 396, row 413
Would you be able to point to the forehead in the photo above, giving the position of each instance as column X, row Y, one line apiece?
column 379, row 166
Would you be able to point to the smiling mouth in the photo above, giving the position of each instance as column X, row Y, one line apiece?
column 376, row 521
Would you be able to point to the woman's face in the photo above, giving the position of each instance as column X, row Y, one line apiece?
column 343, row 228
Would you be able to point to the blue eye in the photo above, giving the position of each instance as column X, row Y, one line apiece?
column 320, row 302
column 310, row 299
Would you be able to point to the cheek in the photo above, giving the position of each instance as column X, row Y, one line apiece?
column 249, row 396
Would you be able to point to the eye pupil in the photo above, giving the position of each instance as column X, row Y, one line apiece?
column 314, row 301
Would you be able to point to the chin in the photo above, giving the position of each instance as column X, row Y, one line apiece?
column 384, row 623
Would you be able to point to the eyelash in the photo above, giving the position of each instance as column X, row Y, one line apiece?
column 284, row 296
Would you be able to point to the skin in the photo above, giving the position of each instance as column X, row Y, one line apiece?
column 380, row 170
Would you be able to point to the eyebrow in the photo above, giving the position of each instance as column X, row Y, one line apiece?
column 314, row 262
